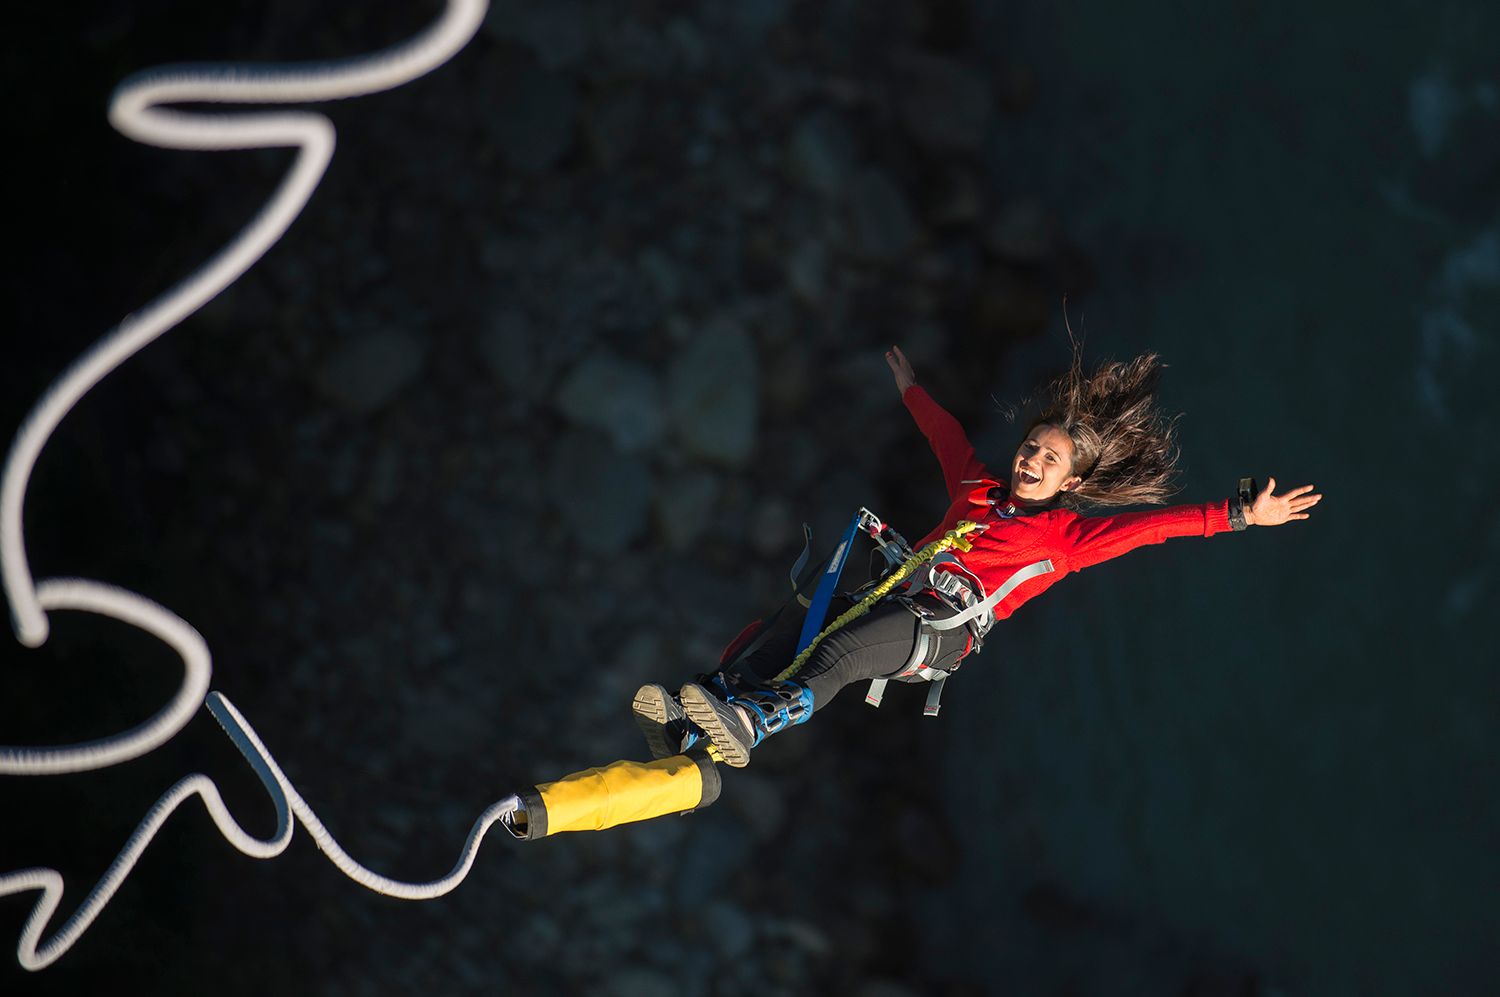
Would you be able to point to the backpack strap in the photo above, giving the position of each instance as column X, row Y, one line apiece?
column 798, row 582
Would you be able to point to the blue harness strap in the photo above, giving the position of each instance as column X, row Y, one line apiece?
column 817, row 610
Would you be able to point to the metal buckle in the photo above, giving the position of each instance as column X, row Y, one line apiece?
column 949, row 583
column 917, row 609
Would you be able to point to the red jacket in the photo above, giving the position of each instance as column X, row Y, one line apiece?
column 1071, row 541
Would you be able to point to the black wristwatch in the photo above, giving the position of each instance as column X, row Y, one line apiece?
column 1244, row 498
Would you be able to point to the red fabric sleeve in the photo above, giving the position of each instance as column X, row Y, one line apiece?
column 948, row 440
column 1093, row 539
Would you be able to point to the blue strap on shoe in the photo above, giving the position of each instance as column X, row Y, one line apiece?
column 775, row 707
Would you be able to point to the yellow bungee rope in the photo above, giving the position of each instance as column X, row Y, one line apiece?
column 953, row 538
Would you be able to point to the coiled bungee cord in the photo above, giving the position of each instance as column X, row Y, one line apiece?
column 139, row 109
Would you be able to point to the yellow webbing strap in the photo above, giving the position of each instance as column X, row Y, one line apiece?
column 624, row 791
column 953, row 538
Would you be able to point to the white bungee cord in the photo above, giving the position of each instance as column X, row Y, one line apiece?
column 139, row 110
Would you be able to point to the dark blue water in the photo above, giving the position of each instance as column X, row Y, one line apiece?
column 1282, row 743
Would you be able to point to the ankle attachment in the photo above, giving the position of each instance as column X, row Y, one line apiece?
column 775, row 706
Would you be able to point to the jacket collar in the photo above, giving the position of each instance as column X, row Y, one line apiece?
column 987, row 493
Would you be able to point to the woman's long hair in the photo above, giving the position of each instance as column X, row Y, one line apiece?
column 1124, row 445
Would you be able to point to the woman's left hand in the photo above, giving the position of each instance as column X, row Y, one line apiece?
column 1273, row 510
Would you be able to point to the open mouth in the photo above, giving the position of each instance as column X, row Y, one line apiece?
column 1027, row 478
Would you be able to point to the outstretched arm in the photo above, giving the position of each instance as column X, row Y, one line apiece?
column 944, row 434
column 1092, row 539
column 1095, row 539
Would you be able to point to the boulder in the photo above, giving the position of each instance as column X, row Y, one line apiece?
column 604, row 496
column 368, row 372
column 714, row 390
column 617, row 397
column 879, row 226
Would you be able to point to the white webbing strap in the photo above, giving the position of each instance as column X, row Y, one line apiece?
column 993, row 599
column 918, row 654
column 933, row 695
column 877, row 692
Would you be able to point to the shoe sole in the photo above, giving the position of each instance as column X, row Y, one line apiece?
column 700, row 707
column 650, row 709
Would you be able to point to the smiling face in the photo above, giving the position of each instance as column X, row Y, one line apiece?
column 1043, row 466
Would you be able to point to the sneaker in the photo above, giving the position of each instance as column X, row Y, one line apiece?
column 662, row 721
column 724, row 725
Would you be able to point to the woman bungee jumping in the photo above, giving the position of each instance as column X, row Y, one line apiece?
column 1100, row 440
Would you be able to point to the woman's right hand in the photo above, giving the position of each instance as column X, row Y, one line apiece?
column 901, row 367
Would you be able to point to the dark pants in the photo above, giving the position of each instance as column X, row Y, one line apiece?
column 876, row 645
